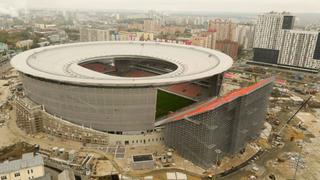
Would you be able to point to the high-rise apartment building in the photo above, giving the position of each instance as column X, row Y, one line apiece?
column 268, row 29
column 276, row 43
column 228, row 47
column 298, row 48
column 226, row 39
column 225, row 29
column 90, row 34
column 245, row 35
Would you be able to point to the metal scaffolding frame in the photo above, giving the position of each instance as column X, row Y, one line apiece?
column 228, row 127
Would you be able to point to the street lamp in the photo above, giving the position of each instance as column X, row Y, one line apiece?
column 218, row 151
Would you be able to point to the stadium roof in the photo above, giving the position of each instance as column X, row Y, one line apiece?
column 61, row 62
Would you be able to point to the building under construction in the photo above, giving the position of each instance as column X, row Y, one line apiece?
column 109, row 96
column 28, row 115
column 225, row 124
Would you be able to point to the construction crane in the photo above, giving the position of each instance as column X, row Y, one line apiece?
column 290, row 119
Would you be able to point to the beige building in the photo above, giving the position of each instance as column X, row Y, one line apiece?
column 24, row 44
column 66, row 175
column 151, row 25
column 173, row 29
column 145, row 36
column 89, row 34
column 205, row 39
column 136, row 26
column 29, row 167
column 135, row 36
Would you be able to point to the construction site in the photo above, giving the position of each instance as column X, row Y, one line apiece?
column 273, row 116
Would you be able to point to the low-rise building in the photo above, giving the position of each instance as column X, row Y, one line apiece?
column 24, row 44
column 66, row 175
column 134, row 36
column 143, row 161
column 3, row 47
column 93, row 34
column 173, row 29
column 136, row 26
column 28, row 167
column 205, row 39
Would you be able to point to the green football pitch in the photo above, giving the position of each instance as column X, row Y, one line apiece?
column 167, row 102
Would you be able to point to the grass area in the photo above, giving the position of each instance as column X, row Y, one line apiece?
column 167, row 102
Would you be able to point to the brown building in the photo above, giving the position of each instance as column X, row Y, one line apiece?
column 225, row 29
column 228, row 47
column 225, row 36
column 150, row 25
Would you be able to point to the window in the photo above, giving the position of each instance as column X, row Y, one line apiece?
column 31, row 170
column 17, row 174
column 3, row 177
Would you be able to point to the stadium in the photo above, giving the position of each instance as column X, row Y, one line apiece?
column 124, row 92
column 114, row 86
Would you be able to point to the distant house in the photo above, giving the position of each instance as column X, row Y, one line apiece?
column 66, row 175
column 3, row 47
column 59, row 36
column 24, row 44
column 28, row 167
column 44, row 43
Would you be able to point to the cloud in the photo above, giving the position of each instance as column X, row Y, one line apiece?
column 8, row 10
column 12, row 7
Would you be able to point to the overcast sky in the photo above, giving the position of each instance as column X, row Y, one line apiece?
column 313, row 6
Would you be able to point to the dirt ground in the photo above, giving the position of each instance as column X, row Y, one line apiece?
column 4, row 90
column 15, row 151
column 310, row 150
column 309, row 163
column 6, row 137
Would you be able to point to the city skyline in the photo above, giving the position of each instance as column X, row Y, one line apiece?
column 11, row 6
column 159, row 89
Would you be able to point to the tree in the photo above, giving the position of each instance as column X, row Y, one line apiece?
column 240, row 50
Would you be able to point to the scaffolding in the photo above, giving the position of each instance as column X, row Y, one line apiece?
column 227, row 128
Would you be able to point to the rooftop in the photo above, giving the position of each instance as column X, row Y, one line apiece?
column 28, row 160
column 61, row 62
